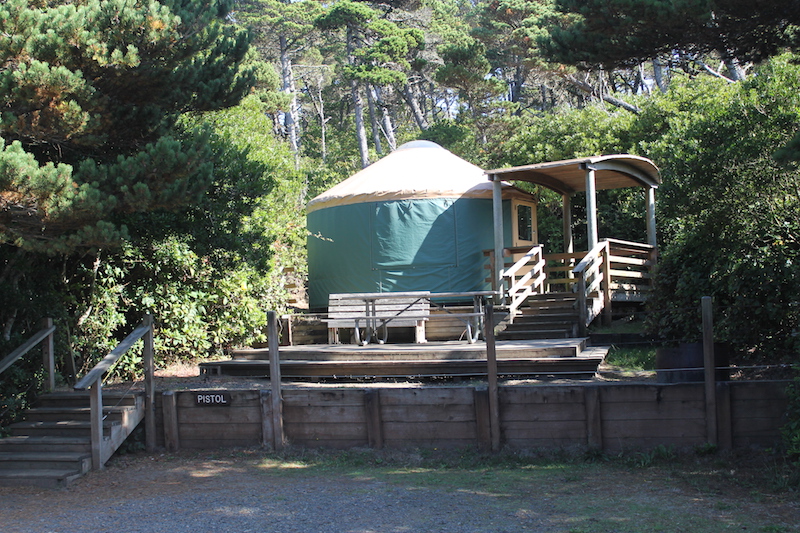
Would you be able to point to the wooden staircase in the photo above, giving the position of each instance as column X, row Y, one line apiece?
column 52, row 446
column 543, row 316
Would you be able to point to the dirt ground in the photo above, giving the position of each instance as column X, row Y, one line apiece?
column 413, row 491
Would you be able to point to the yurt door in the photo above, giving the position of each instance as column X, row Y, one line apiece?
column 524, row 223
column 523, row 227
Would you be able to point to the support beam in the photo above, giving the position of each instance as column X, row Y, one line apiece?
column 591, row 207
column 497, row 214
column 651, row 216
column 569, row 244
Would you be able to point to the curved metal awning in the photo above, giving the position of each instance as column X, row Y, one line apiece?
column 568, row 177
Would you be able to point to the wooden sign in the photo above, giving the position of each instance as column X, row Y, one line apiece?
column 212, row 398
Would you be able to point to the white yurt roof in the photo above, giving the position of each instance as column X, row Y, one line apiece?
column 415, row 170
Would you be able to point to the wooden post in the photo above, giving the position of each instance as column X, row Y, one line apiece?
column 606, row 255
column 566, row 221
column 651, row 217
column 48, row 356
column 372, row 407
column 172, row 440
column 96, row 410
column 594, row 421
column 483, row 429
column 724, row 420
column 491, row 370
column 149, row 387
column 275, row 380
column 710, row 377
column 591, row 207
column 267, row 435
column 497, row 220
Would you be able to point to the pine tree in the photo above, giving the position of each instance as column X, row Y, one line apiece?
column 89, row 93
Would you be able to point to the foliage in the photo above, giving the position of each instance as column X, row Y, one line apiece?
column 732, row 199
column 623, row 31
column 791, row 429
column 89, row 92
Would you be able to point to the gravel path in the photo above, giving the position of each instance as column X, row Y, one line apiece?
column 206, row 495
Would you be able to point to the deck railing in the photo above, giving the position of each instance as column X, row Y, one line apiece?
column 525, row 278
column 93, row 381
column 593, row 277
column 43, row 335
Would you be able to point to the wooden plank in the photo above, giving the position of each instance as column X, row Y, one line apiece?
column 244, row 433
column 267, row 433
column 541, row 412
column 560, row 429
column 221, row 415
column 326, row 432
column 724, row 422
column 655, row 428
column 430, row 414
column 372, row 413
column 441, row 396
column 331, row 413
column 350, row 397
column 424, row 432
column 652, row 410
column 205, row 444
column 171, row 434
column 758, row 390
column 594, row 419
column 482, row 422
column 625, row 393
column 567, row 394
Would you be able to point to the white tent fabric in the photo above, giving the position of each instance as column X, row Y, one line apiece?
column 416, row 170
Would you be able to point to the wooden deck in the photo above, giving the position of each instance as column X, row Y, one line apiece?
column 558, row 357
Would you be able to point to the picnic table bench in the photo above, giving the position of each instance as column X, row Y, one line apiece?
column 376, row 312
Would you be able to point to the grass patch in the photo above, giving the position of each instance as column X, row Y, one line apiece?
column 632, row 358
column 661, row 490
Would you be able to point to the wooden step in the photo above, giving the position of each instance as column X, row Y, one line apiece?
column 61, row 428
column 54, row 414
column 49, row 478
column 45, row 444
column 81, row 399
column 77, row 461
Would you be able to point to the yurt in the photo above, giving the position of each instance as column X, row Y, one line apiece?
column 418, row 219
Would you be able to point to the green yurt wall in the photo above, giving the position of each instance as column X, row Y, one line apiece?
column 418, row 219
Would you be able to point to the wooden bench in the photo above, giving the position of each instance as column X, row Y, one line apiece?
column 376, row 313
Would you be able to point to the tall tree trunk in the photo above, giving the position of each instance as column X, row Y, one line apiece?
column 387, row 124
column 413, row 105
column 373, row 118
column 288, row 87
column 658, row 74
column 588, row 89
column 358, row 103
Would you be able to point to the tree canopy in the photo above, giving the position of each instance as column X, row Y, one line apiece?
column 90, row 91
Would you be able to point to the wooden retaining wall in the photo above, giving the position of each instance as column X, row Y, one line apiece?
column 608, row 416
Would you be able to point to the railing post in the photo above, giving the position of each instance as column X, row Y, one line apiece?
column 275, row 381
column 149, row 389
column 48, row 356
column 491, row 371
column 582, row 311
column 96, row 414
column 606, row 255
column 709, row 367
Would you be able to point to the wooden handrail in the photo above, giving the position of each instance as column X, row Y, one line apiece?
column 593, row 276
column 45, row 333
column 93, row 381
column 109, row 360
column 531, row 282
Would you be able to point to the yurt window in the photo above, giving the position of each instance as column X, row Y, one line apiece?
column 524, row 223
